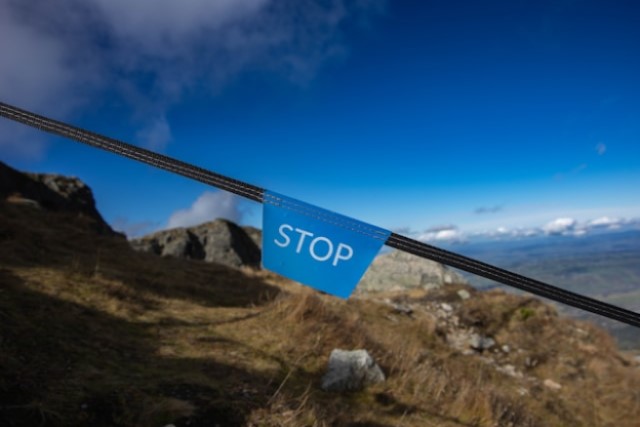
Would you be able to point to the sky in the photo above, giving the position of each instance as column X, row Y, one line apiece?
column 442, row 120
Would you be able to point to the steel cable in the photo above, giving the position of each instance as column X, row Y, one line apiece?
column 255, row 193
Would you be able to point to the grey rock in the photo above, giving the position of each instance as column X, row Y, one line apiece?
column 218, row 241
column 351, row 371
column 53, row 193
column 397, row 271
column 480, row 343
column 178, row 242
column 402, row 309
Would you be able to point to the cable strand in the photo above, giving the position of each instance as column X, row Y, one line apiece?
column 257, row 194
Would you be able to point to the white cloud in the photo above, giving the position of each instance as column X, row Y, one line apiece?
column 560, row 226
column 528, row 232
column 441, row 233
column 601, row 149
column 155, row 25
column 150, row 54
column 503, row 231
column 156, row 135
column 564, row 226
column 209, row 206
column 33, row 69
column 507, row 233
column 33, row 74
column 605, row 222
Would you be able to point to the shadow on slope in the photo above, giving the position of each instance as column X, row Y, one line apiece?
column 65, row 242
column 63, row 363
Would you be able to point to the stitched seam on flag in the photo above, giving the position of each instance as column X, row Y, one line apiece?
column 328, row 218
column 318, row 213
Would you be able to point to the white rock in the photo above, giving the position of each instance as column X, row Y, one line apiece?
column 464, row 294
column 480, row 343
column 351, row 371
column 509, row 370
column 446, row 307
column 550, row 384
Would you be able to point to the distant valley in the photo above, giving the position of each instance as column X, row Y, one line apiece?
column 605, row 266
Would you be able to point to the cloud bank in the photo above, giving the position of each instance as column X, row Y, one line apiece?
column 564, row 226
column 560, row 226
column 148, row 55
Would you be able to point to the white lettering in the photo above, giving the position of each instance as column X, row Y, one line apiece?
column 313, row 252
column 339, row 254
column 303, row 235
column 344, row 252
column 287, row 239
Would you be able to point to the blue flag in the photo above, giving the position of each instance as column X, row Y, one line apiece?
column 317, row 247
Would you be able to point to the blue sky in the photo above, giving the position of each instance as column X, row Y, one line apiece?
column 442, row 119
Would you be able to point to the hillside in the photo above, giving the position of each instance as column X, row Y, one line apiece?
column 604, row 266
column 95, row 333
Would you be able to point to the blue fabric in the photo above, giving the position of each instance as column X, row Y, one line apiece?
column 317, row 247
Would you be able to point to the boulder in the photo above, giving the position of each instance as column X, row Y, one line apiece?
column 219, row 241
column 177, row 242
column 481, row 343
column 351, row 371
column 398, row 271
column 51, row 192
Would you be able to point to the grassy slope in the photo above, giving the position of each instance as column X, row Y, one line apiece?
column 92, row 333
column 605, row 267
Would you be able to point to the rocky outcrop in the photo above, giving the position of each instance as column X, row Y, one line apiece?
column 398, row 271
column 219, row 241
column 351, row 371
column 51, row 192
column 255, row 234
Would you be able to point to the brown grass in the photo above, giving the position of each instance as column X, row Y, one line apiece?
column 93, row 333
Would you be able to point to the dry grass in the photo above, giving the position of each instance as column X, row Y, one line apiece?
column 93, row 333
